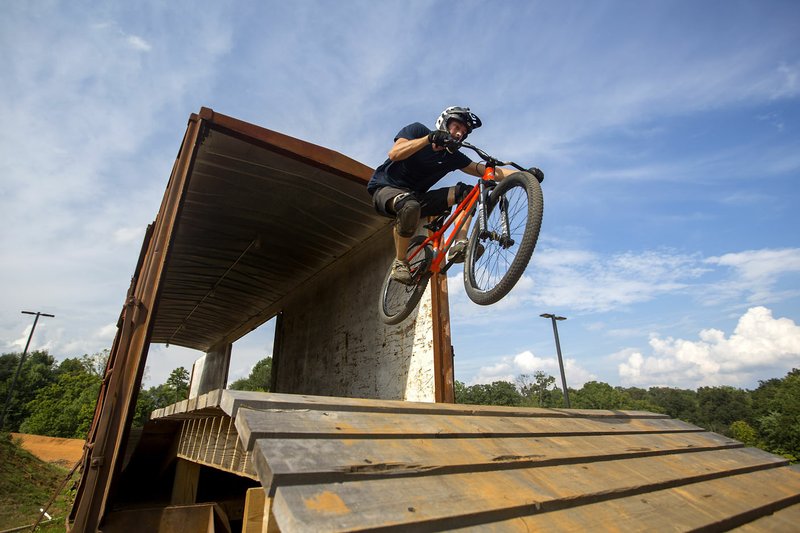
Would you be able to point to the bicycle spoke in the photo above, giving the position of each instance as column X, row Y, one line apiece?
column 399, row 299
column 493, row 265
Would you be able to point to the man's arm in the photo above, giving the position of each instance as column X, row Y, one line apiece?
column 405, row 148
column 477, row 169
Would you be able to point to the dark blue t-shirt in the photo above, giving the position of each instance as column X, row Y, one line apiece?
column 421, row 170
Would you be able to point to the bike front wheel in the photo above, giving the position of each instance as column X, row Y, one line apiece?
column 497, row 256
column 399, row 300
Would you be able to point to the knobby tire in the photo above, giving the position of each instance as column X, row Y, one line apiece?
column 399, row 300
column 491, row 276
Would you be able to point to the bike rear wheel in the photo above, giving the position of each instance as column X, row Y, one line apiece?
column 399, row 300
column 490, row 275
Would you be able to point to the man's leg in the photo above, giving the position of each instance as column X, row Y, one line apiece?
column 406, row 208
column 457, row 251
column 400, row 245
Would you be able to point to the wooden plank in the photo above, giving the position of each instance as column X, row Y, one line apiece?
column 184, row 486
column 253, row 519
column 231, row 401
column 269, row 525
column 223, row 439
column 783, row 521
column 282, row 462
column 212, row 441
column 173, row 519
column 717, row 504
column 458, row 500
column 255, row 424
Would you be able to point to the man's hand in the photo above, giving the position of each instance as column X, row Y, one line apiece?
column 538, row 174
column 440, row 138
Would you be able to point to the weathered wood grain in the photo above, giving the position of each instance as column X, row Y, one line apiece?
column 783, row 521
column 274, row 423
column 231, row 401
column 213, row 441
column 301, row 461
column 459, row 500
column 716, row 504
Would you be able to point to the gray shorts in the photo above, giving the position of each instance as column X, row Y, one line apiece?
column 432, row 203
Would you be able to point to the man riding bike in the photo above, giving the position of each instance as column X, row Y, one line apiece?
column 419, row 158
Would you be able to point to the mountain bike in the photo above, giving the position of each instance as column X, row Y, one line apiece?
column 508, row 217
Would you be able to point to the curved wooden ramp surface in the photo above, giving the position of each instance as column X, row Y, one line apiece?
column 338, row 464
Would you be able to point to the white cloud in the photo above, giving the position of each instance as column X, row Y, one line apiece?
column 755, row 275
column 128, row 234
column 509, row 367
column 759, row 342
column 138, row 43
column 760, row 266
column 92, row 126
column 590, row 282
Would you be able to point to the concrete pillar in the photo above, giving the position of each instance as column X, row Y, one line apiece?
column 210, row 372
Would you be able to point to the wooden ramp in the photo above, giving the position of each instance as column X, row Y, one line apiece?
column 338, row 464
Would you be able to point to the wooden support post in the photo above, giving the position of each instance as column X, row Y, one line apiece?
column 184, row 487
column 444, row 385
column 253, row 519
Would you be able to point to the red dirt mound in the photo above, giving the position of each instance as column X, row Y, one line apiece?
column 65, row 452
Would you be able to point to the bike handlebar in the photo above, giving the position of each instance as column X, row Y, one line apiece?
column 486, row 157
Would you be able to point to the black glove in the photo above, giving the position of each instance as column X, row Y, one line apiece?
column 440, row 138
column 538, row 174
column 462, row 190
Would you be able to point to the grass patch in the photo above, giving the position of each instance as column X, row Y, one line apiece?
column 26, row 485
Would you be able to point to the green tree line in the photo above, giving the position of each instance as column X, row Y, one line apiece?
column 767, row 417
column 59, row 399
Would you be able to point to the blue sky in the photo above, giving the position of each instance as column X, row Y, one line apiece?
column 669, row 133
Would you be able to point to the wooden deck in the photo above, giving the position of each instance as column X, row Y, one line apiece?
column 339, row 464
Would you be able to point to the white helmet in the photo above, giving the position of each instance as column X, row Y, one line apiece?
column 461, row 114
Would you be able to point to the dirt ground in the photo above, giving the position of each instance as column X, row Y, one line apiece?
column 64, row 452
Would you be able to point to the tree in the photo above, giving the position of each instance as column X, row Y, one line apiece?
column 599, row 395
column 38, row 371
column 677, row 403
column 539, row 390
column 178, row 381
column 64, row 408
column 779, row 414
column 175, row 389
column 498, row 393
column 719, row 407
column 259, row 379
column 744, row 433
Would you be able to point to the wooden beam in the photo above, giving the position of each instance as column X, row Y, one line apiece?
column 213, row 441
column 184, row 486
column 444, row 386
column 252, row 425
column 463, row 500
column 283, row 462
column 253, row 519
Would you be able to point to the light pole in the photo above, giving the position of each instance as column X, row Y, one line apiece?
column 21, row 360
column 553, row 317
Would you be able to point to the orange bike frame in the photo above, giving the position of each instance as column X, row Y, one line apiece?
column 459, row 217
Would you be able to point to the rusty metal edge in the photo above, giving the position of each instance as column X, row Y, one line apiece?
column 299, row 150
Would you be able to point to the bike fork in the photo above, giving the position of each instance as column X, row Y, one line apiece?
column 505, row 235
column 483, row 225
